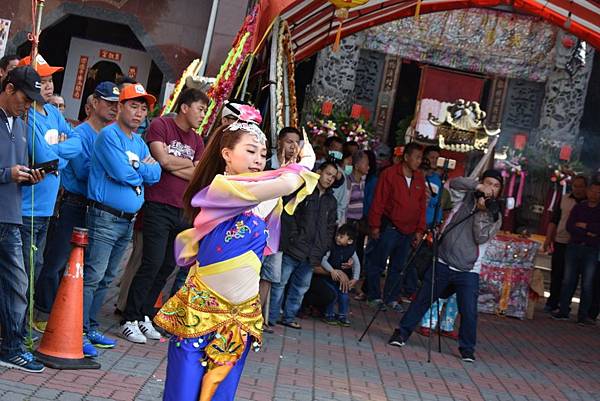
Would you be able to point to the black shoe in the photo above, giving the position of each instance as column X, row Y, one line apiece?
column 396, row 339
column 560, row 316
column 586, row 322
column 467, row 356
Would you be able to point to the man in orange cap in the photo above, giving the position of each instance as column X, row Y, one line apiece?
column 121, row 166
column 51, row 139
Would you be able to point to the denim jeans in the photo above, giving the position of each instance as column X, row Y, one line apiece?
column 71, row 214
column 13, row 289
column 108, row 239
column 298, row 274
column 162, row 223
column 342, row 301
column 580, row 260
column 447, row 282
column 395, row 245
column 40, row 230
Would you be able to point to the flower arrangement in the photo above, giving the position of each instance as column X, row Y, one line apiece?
column 225, row 80
column 286, row 85
column 340, row 124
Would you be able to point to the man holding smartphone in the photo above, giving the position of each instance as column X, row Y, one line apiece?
column 51, row 139
column 20, row 88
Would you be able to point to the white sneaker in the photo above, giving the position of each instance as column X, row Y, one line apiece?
column 131, row 332
column 148, row 329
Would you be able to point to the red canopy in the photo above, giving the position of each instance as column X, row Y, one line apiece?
column 313, row 23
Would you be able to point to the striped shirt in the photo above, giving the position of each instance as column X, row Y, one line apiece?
column 357, row 197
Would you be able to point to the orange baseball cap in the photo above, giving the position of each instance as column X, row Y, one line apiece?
column 42, row 67
column 136, row 91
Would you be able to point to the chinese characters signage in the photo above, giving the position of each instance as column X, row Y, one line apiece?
column 110, row 55
column 80, row 79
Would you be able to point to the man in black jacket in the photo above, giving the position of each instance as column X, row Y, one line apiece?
column 306, row 237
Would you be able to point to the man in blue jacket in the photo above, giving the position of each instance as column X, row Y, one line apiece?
column 19, row 90
column 121, row 166
column 51, row 138
column 73, row 204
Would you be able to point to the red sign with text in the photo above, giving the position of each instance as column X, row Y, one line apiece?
column 80, row 79
column 132, row 73
column 110, row 55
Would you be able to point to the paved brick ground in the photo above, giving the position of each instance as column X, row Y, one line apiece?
column 539, row 360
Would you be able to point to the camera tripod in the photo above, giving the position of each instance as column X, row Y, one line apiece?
column 437, row 236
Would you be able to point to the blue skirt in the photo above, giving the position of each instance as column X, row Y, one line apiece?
column 185, row 371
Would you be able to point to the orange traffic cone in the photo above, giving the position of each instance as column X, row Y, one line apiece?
column 62, row 343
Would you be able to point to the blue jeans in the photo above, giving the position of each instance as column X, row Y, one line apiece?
column 108, row 239
column 298, row 273
column 580, row 260
column 13, row 289
column 342, row 301
column 394, row 245
column 40, row 229
column 448, row 282
column 71, row 214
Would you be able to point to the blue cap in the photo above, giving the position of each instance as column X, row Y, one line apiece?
column 108, row 91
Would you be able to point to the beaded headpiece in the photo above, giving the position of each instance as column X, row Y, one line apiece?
column 248, row 120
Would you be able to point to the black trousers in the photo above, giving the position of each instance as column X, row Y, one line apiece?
column 557, row 274
column 161, row 225
column 319, row 295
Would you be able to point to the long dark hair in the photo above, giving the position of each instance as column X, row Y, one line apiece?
column 211, row 164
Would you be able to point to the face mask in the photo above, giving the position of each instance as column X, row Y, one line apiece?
column 336, row 154
column 348, row 170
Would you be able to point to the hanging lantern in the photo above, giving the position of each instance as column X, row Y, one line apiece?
column 327, row 108
column 565, row 153
column 342, row 10
column 365, row 114
column 568, row 42
column 519, row 141
column 356, row 111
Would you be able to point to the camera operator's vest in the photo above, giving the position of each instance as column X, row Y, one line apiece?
column 567, row 203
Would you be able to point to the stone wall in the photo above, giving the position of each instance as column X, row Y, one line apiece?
column 564, row 100
column 335, row 72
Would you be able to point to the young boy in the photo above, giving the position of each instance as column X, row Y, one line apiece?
column 340, row 258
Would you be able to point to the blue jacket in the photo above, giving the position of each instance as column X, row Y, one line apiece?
column 436, row 184
column 75, row 175
column 113, row 179
column 43, row 146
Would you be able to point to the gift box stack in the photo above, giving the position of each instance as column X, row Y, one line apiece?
column 506, row 271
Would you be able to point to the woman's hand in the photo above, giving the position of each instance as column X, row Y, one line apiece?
column 307, row 154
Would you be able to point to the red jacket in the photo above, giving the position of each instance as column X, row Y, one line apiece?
column 404, row 206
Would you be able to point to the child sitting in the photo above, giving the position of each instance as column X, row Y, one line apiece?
column 338, row 261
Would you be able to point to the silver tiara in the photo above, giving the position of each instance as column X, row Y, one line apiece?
column 250, row 128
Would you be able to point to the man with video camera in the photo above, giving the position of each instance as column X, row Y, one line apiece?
column 474, row 221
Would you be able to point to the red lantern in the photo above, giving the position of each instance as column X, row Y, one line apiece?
column 519, row 141
column 365, row 114
column 568, row 42
column 565, row 153
column 356, row 111
column 327, row 108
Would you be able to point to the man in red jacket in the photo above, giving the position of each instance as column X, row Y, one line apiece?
column 396, row 215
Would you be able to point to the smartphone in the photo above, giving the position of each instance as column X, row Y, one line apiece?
column 48, row 167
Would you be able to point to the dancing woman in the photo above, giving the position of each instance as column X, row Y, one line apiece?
column 215, row 318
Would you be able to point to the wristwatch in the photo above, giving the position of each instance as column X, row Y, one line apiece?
column 135, row 164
